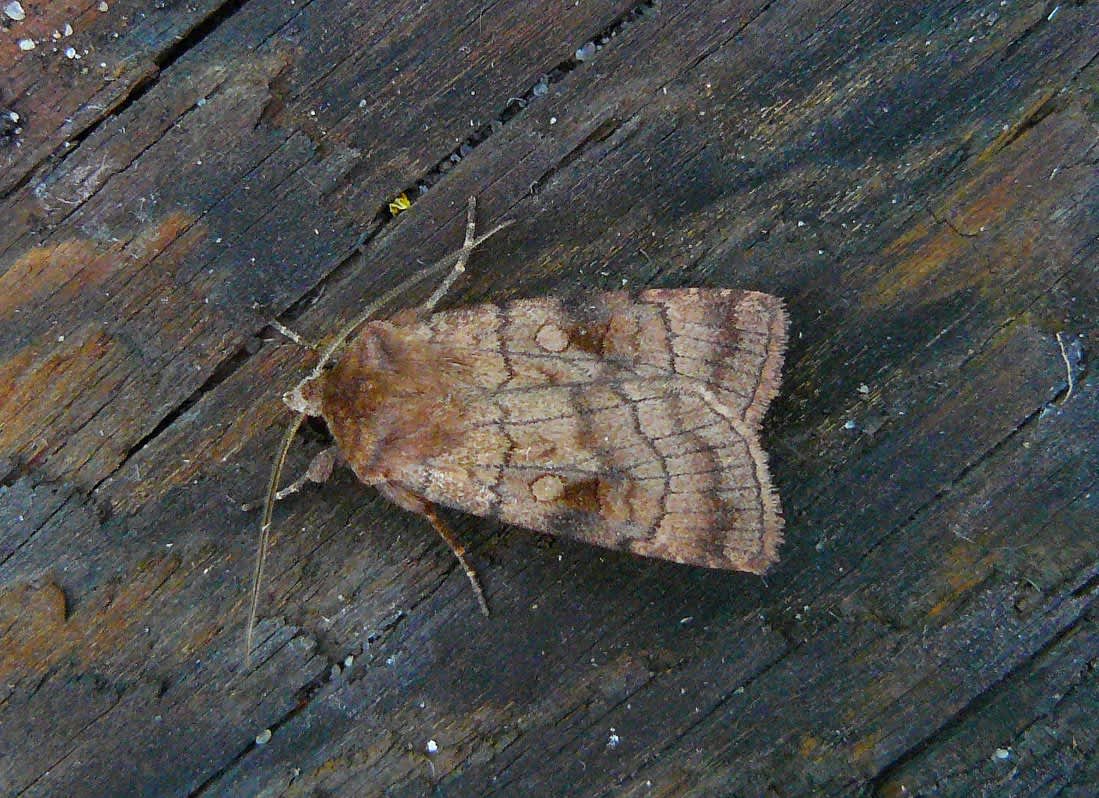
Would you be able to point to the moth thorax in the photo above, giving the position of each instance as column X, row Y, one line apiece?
column 306, row 398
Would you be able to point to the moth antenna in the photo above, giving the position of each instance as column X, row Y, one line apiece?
column 458, row 261
column 265, row 532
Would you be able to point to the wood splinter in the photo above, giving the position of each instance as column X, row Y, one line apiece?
column 629, row 421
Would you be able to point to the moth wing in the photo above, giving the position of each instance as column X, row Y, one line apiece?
column 696, row 491
column 629, row 422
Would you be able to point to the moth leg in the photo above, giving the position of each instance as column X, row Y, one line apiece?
column 319, row 470
column 279, row 327
column 410, row 501
column 459, row 550
column 459, row 265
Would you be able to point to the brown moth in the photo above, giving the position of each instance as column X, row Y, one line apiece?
column 626, row 420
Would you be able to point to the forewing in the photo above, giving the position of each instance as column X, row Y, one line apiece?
column 625, row 421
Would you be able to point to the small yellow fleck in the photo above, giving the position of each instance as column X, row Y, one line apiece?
column 400, row 204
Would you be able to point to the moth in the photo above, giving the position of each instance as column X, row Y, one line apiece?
column 625, row 420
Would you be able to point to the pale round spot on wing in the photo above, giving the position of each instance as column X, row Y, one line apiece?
column 547, row 488
column 552, row 338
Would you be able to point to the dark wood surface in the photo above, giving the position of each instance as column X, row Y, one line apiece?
column 920, row 181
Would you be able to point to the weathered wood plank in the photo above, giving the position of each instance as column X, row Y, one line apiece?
column 919, row 182
column 89, row 60
column 1032, row 735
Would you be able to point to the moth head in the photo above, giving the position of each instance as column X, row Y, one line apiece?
column 305, row 398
